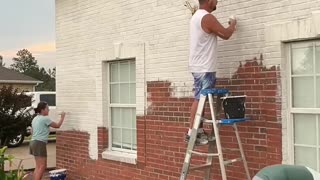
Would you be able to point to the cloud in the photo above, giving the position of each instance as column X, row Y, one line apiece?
column 8, row 53
column 43, row 52
column 43, row 48
column 35, row 49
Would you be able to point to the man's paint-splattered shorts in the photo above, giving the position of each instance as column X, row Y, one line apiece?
column 202, row 81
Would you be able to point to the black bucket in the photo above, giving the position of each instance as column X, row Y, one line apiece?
column 234, row 107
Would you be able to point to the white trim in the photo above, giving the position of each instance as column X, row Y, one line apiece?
column 124, row 150
column 108, row 107
column 20, row 81
column 118, row 105
column 293, row 110
column 126, row 128
column 305, row 110
column 306, row 145
column 128, row 51
column 123, row 105
column 120, row 156
column 305, row 75
column 42, row 92
column 314, row 76
column 317, row 141
column 289, row 108
column 132, row 82
column 116, row 60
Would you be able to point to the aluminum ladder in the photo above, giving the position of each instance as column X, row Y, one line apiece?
column 214, row 138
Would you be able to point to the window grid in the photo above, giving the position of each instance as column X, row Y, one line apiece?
column 128, row 106
column 303, row 110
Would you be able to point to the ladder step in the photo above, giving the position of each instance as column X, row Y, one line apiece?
column 193, row 168
column 227, row 162
column 204, row 154
column 206, row 120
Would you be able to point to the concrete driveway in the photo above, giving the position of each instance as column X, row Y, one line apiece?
column 22, row 153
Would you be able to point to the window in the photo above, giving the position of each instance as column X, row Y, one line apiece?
column 122, row 83
column 49, row 98
column 304, row 103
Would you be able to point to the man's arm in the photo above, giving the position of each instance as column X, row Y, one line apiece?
column 210, row 24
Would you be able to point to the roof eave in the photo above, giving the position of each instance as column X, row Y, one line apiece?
column 20, row 82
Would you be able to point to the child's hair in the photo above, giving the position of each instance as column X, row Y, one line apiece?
column 42, row 105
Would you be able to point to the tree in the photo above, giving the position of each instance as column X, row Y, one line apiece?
column 49, row 81
column 15, row 116
column 1, row 62
column 26, row 64
column 52, row 72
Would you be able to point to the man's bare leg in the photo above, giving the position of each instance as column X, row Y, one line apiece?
column 202, row 138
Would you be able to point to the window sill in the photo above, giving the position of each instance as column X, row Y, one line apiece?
column 120, row 156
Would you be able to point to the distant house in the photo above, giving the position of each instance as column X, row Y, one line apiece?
column 17, row 80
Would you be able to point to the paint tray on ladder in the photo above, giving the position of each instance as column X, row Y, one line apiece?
column 234, row 107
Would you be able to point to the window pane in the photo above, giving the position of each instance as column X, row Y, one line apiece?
column 114, row 72
column 306, row 156
column 124, row 72
column 116, row 137
column 132, row 93
column 114, row 93
column 318, row 92
column 124, row 93
column 49, row 98
column 302, row 60
column 303, row 92
column 305, row 129
column 127, row 117
column 318, row 59
column 132, row 71
column 126, row 139
column 115, row 117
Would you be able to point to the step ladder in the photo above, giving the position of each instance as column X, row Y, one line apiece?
column 214, row 137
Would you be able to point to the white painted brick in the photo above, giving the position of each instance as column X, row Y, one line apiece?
column 85, row 28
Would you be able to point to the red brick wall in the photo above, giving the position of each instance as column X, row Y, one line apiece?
column 161, row 132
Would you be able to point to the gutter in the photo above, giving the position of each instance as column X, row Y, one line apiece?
column 19, row 81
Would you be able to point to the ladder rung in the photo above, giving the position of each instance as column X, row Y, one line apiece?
column 204, row 154
column 206, row 120
column 227, row 162
column 192, row 168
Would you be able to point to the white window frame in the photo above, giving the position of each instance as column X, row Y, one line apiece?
column 110, row 106
column 292, row 110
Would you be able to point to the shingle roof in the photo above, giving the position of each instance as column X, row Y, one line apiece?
column 10, row 76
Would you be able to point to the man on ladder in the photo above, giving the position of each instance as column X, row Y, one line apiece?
column 204, row 29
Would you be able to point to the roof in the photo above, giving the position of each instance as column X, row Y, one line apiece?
column 10, row 76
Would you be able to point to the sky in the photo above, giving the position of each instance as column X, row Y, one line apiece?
column 28, row 24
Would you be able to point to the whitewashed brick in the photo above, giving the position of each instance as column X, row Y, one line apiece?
column 84, row 28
